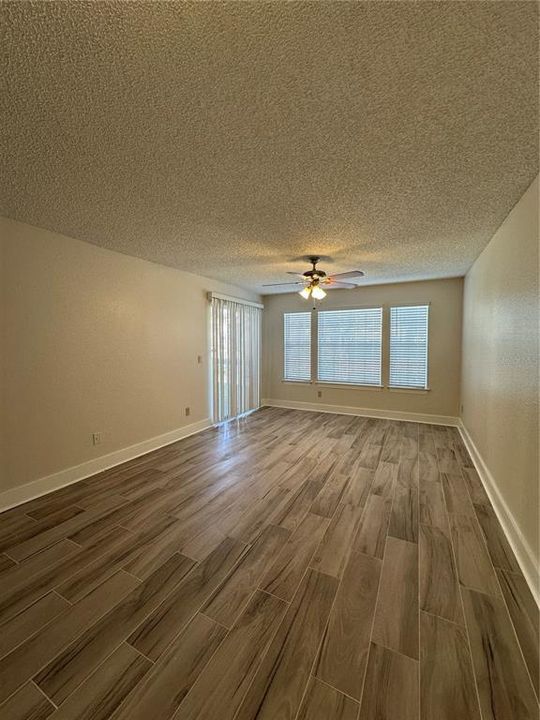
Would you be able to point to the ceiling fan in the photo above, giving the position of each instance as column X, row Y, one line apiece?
column 314, row 279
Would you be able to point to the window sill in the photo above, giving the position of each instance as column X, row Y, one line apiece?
column 296, row 382
column 421, row 391
column 357, row 386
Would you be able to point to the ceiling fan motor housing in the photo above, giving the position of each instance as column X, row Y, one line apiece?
column 314, row 274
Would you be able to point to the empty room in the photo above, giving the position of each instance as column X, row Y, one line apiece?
column 269, row 350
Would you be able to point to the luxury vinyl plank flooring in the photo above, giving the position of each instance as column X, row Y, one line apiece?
column 62, row 675
column 26, row 623
column 105, row 689
column 29, row 658
column 504, row 687
column 28, row 703
column 439, row 587
column 220, row 688
column 391, row 687
column 323, row 702
column 288, row 565
column 474, row 567
column 343, row 655
column 525, row 617
column 396, row 615
column 280, row 681
column 285, row 573
column 172, row 676
column 447, row 689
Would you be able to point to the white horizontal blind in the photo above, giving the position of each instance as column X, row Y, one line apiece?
column 409, row 346
column 350, row 343
column 297, row 346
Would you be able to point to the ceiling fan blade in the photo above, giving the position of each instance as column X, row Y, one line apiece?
column 332, row 284
column 295, row 273
column 298, row 282
column 350, row 274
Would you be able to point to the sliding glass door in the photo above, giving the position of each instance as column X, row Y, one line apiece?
column 236, row 341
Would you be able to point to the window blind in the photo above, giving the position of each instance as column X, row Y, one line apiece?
column 236, row 341
column 349, row 346
column 297, row 346
column 409, row 346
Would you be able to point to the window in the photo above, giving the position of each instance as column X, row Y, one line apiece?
column 236, row 339
column 409, row 346
column 297, row 346
column 349, row 346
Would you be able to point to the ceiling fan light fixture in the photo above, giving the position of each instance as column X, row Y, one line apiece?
column 318, row 293
column 305, row 293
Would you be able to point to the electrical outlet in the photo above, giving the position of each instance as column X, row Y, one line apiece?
column 188, row 411
column 319, row 393
column 96, row 438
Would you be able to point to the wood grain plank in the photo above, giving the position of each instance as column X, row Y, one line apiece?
column 396, row 615
column 28, row 703
column 499, row 549
column 283, row 576
column 22, row 595
column 343, row 655
column 447, row 689
column 106, row 688
column 504, row 687
column 22, row 574
column 432, row 504
column 229, row 599
column 122, row 550
column 456, row 495
column 383, row 479
column 391, row 686
column 323, row 702
column 27, row 659
column 159, row 695
column 448, row 462
column 62, row 530
column 167, row 621
column 62, row 675
column 525, row 617
column 35, row 529
column 29, row 621
column 279, row 684
column 428, row 466
column 439, row 587
column 6, row 563
column 371, row 536
column 475, row 487
column 328, row 499
column 333, row 551
column 473, row 563
column 404, row 517
column 219, row 689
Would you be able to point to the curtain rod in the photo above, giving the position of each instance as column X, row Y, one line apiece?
column 220, row 296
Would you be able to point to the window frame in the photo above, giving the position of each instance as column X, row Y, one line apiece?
column 337, row 383
column 385, row 350
column 283, row 361
column 409, row 388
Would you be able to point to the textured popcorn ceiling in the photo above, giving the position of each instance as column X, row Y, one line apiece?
column 228, row 139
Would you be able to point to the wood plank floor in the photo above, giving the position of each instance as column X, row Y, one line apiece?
column 287, row 566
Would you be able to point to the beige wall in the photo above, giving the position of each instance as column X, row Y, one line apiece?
column 445, row 297
column 93, row 340
column 500, row 362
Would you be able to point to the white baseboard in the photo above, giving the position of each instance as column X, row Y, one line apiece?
column 21, row 494
column 522, row 550
column 364, row 412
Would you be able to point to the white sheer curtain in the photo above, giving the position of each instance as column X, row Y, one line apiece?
column 236, row 340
